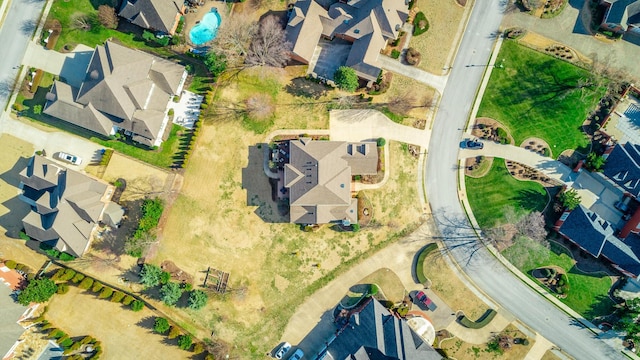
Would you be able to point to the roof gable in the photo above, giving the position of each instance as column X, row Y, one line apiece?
column 623, row 167
column 586, row 229
column 151, row 14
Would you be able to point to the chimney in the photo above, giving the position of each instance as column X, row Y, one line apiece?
column 579, row 166
column 632, row 224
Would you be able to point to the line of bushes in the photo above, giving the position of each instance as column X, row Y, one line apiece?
column 422, row 278
column 53, row 253
column 184, row 341
column 106, row 157
column 89, row 284
column 481, row 322
column 66, row 342
column 151, row 213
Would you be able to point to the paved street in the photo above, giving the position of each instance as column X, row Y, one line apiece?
column 15, row 33
column 442, row 190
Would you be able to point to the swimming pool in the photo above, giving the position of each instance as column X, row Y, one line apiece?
column 207, row 29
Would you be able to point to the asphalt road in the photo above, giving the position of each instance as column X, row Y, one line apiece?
column 16, row 31
column 441, row 182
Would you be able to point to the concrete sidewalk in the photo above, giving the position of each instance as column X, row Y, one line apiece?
column 435, row 81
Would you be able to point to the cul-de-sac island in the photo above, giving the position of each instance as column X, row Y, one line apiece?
column 320, row 179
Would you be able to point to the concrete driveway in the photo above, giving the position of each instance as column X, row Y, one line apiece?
column 71, row 66
column 567, row 28
column 52, row 142
column 358, row 125
column 435, row 81
column 552, row 168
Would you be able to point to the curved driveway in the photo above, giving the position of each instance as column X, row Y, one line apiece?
column 441, row 184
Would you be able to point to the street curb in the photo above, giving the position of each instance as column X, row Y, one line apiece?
column 4, row 8
column 453, row 53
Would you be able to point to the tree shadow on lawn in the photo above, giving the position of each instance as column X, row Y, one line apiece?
column 530, row 200
column 147, row 323
column 601, row 306
column 306, row 88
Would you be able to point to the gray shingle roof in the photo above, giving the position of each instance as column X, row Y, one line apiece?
column 151, row 14
column 368, row 23
column 586, row 229
column 75, row 205
column 621, row 10
column 122, row 87
column 318, row 176
column 623, row 167
column 374, row 333
column 624, row 253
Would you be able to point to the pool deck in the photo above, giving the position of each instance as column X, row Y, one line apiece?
column 191, row 18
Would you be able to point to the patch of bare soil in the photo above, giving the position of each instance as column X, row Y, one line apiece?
column 548, row 46
column 177, row 274
column 537, row 145
column 420, row 124
column 523, row 172
column 490, row 129
column 365, row 209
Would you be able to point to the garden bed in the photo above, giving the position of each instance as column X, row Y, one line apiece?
column 492, row 130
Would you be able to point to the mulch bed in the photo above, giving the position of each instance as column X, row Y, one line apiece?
column 176, row 273
column 486, row 128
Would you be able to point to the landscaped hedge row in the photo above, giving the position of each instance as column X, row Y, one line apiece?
column 481, row 322
column 66, row 342
column 185, row 342
column 420, row 262
column 19, row 266
column 87, row 283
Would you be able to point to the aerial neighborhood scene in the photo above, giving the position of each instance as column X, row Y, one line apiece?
column 320, row 179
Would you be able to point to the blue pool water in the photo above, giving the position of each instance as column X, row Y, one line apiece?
column 207, row 29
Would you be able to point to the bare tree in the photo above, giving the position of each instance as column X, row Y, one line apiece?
column 402, row 102
column 234, row 38
column 269, row 46
column 259, row 106
column 80, row 21
column 532, row 226
column 107, row 16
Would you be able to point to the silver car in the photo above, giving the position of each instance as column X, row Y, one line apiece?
column 284, row 349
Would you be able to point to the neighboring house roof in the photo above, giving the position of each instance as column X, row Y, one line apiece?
column 622, row 12
column 586, row 229
column 625, row 253
column 66, row 205
column 318, row 177
column 151, row 14
column 623, row 167
column 374, row 333
column 10, row 313
column 368, row 24
column 125, row 88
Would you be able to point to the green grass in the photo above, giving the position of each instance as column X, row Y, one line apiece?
column 422, row 278
column 537, row 95
column 588, row 292
column 65, row 11
column 493, row 193
column 482, row 321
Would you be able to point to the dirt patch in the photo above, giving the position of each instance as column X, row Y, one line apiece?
column 492, row 130
column 176, row 273
column 537, row 145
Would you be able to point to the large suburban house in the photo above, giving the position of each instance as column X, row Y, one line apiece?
column 316, row 178
column 621, row 16
column 123, row 90
column 158, row 15
column 372, row 332
column 607, row 222
column 366, row 24
column 66, row 205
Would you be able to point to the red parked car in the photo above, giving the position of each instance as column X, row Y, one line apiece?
column 423, row 298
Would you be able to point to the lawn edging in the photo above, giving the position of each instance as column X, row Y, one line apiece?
column 419, row 264
column 482, row 321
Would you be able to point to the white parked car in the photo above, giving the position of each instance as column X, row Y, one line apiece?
column 284, row 349
column 69, row 158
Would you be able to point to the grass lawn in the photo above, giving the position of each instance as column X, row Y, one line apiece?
column 493, row 193
column 538, row 95
column 588, row 292
column 388, row 282
column 67, row 11
column 434, row 46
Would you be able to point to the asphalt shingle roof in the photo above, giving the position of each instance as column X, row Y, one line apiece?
column 623, row 167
